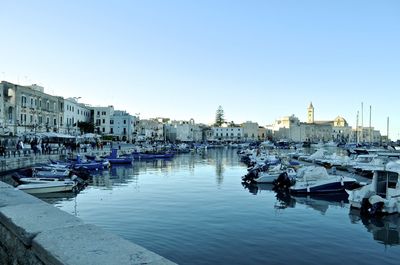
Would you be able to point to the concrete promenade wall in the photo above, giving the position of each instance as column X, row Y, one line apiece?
column 17, row 160
column 36, row 233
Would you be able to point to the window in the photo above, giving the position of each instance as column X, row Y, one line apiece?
column 104, row 121
column 10, row 112
column 104, row 130
column 124, row 121
column 98, row 113
column 40, row 103
column 124, row 130
column 111, row 121
column 31, row 119
column 48, row 105
column 111, row 130
column 55, row 122
column 31, row 102
column 23, row 101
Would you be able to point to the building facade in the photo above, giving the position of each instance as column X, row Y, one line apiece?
column 101, row 118
column 73, row 113
column 250, row 131
column 122, row 125
column 28, row 109
column 150, row 130
column 229, row 133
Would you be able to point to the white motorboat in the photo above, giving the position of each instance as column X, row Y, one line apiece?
column 315, row 179
column 271, row 175
column 48, row 187
column 382, row 195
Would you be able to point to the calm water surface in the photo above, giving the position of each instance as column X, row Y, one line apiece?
column 193, row 209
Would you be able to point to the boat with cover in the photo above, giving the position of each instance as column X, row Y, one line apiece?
column 382, row 195
column 315, row 179
column 48, row 187
column 271, row 175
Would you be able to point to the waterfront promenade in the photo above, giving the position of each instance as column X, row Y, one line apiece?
column 13, row 160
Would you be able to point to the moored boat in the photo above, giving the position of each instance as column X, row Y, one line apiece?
column 48, row 187
column 313, row 179
column 382, row 195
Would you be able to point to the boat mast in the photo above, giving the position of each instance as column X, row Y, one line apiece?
column 357, row 129
column 387, row 133
column 370, row 136
column 362, row 122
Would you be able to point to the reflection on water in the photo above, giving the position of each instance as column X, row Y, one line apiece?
column 385, row 230
column 193, row 209
column 318, row 202
column 56, row 197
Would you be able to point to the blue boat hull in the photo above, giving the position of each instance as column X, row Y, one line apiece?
column 334, row 187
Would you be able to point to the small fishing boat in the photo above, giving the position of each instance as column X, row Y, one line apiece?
column 48, row 187
column 271, row 175
column 113, row 158
column 314, row 179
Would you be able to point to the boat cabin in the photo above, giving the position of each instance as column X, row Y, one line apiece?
column 385, row 180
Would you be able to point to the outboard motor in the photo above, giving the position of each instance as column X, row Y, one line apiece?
column 372, row 206
column 253, row 173
column 283, row 181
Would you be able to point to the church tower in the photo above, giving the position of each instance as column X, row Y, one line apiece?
column 310, row 113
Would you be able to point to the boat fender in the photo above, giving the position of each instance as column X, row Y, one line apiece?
column 308, row 189
column 341, row 181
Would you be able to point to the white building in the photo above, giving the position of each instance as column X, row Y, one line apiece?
column 151, row 130
column 28, row 109
column 229, row 133
column 183, row 131
column 73, row 113
column 122, row 125
column 366, row 135
column 250, row 131
column 101, row 117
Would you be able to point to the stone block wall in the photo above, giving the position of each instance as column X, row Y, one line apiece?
column 36, row 233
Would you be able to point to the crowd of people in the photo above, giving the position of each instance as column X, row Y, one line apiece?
column 17, row 146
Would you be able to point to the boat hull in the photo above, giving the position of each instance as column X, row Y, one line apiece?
column 47, row 188
column 322, row 187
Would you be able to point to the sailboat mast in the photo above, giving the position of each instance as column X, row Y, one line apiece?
column 387, row 133
column 362, row 122
column 357, row 128
column 370, row 128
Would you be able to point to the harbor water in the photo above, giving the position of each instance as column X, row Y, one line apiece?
column 193, row 209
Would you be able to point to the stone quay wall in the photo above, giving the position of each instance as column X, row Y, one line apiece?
column 36, row 233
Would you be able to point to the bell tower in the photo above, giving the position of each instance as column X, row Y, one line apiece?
column 310, row 113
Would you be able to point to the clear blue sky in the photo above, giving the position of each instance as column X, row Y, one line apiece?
column 259, row 60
